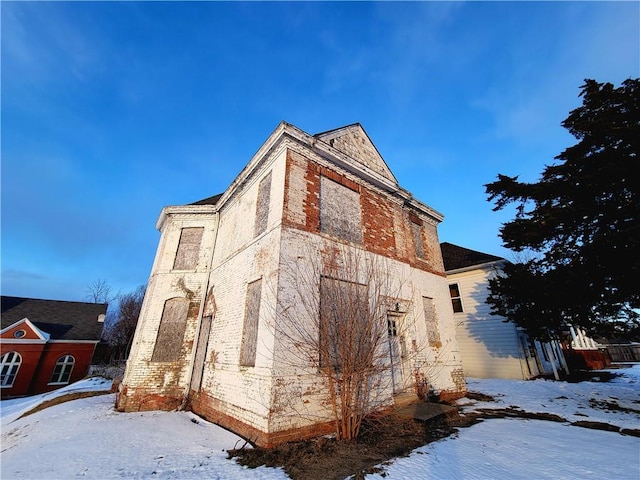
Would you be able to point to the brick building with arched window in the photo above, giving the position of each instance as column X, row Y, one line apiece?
column 46, row 344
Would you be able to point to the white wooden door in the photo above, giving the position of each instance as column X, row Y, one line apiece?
column 396, row 352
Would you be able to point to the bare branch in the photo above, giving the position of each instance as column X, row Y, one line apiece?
column 99, row 291
column 332, row 324
column 121, row 326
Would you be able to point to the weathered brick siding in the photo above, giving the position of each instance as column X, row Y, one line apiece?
column 243, row 254
column 149, row 384
column 386, row 223
column 245, row 239
column 298, row 393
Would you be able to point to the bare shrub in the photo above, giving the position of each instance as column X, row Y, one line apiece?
column 332, row 322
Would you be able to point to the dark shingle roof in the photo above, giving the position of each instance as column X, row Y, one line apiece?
column 456, row 257
column 208, row 201
column 60, row 319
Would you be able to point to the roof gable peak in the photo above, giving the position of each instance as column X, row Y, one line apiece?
column 26, row 324
column 354, row 141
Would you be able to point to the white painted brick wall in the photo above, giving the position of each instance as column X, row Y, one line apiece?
column 249, row 394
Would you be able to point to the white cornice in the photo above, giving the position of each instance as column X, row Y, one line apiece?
column 288, row 131
column 184, row 210
column 20, row 341
column 480, row 266
column 42, row 335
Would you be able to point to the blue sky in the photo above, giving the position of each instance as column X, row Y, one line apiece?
column 112, row 110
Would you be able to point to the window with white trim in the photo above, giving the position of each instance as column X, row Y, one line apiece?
column 9, row 365
column 456, row 300
column 62, row 370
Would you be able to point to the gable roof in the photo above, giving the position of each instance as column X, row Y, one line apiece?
column 456, row 257
column 62, row 320
column 347, row 147
column 353, row 141
column 29, row 331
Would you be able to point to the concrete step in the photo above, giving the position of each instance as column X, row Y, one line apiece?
column 405, row 398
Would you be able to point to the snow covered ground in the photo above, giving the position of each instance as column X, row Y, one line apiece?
column 87, row 438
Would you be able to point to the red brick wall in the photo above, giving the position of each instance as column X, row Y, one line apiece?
column 210, row 409
column 30, row 354
column 386, row 224
column 141, row 399
column 81, row 352
column 38, row 362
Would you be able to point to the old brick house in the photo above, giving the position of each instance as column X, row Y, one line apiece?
column 208, row 336
column 46, row 344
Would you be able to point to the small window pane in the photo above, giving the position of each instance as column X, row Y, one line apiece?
column 9, row 366
column 456, row 301
column 62, row 370
column 392, row 328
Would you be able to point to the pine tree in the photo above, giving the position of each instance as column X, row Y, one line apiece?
column 580, row 224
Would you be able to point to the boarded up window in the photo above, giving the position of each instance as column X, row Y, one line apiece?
column 433, row 333
column 340, row 214
column 345, row 337
column 416, row 229
column 171, row 331
column 201, row 353
column 188, row 248
column 262, row 207
column 250, row 329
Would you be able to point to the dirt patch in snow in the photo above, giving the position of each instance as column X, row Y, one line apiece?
column 381, row 442
column 590, row 376
column 611, row 405
column 481, row 397
column 62, row 399
column 326, row 459
column 517, row 413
